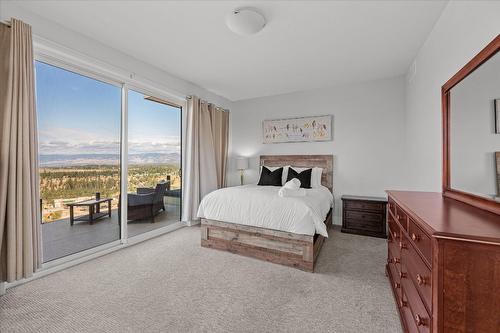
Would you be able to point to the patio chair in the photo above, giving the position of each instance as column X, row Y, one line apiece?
column 147, row 203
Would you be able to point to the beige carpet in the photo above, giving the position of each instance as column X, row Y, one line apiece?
column 171, row 284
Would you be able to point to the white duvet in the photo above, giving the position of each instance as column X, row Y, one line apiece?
column 261, row 206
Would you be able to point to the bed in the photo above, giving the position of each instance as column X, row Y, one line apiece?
column 297, row 244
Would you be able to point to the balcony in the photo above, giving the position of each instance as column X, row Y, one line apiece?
column 61, row 239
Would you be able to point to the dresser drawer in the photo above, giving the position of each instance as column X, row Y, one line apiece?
column 420, row 317
column 407, row 315
column 418, row 273
column 394, row 256
column 391, row 206
column 364, row 216
column 367, row 206
column 402, row 218
column 364, row 220
column 394, row 229
column 394, row 252
column 421, row 240
column 396, row 281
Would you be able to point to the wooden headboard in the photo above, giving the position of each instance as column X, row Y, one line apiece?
column 304, row 161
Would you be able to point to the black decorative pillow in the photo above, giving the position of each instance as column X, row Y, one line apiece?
column 270, row 178
column 304, row 177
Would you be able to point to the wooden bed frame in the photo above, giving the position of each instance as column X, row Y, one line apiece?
column 299, row 251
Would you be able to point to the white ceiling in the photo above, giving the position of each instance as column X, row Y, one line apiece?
column 305, row 45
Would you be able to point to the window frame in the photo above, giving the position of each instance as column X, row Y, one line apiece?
column 59, row 56
column 181, row 134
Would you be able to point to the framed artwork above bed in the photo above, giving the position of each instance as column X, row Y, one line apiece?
column 303, row 129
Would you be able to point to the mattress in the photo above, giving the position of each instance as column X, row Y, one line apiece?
column 261, row 206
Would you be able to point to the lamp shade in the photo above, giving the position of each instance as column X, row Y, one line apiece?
column 242, row 163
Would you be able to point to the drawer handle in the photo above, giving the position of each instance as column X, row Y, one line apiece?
column 396, row 260
column 394, row 234
column 402, row 275
column 419, row 320
column 415, row 237
column 397, row 285
column 402, row 245
column 403, row 303
column 420, row 279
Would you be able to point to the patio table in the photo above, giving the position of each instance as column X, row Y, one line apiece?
column 94, row 210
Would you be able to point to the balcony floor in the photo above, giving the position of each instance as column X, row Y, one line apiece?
column 60, row 239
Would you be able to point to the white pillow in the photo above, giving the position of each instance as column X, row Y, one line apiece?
column 315, row 175
column 283, row 175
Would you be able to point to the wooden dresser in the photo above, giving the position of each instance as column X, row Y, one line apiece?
column 443, row 263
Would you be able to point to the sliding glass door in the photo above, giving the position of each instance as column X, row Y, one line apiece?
column 154, row 163
column 79, row 121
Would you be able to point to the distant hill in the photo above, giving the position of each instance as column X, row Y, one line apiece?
column 56, row 160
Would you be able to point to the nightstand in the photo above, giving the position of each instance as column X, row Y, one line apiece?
column 364, row 215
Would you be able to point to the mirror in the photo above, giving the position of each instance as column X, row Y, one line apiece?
column 471, row 131
column 473, row 141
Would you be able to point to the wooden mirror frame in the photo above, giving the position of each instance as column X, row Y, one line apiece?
column 475, row 200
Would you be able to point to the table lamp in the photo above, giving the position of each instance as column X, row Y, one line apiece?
column 242, row 165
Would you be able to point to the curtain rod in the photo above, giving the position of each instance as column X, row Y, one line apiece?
column 204, row 101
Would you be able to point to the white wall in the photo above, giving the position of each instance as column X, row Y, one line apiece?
column 463, row 29
column 473, row 139
column 75, row 41
column 368, row 120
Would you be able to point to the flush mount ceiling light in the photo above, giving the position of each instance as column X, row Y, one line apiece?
column 245, row 21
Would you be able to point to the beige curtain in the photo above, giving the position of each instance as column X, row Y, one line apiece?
column 19, row 191
column 206, row 153
column 220, row 134
column 207, row 165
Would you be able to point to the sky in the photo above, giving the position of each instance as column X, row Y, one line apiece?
column 80, row 115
